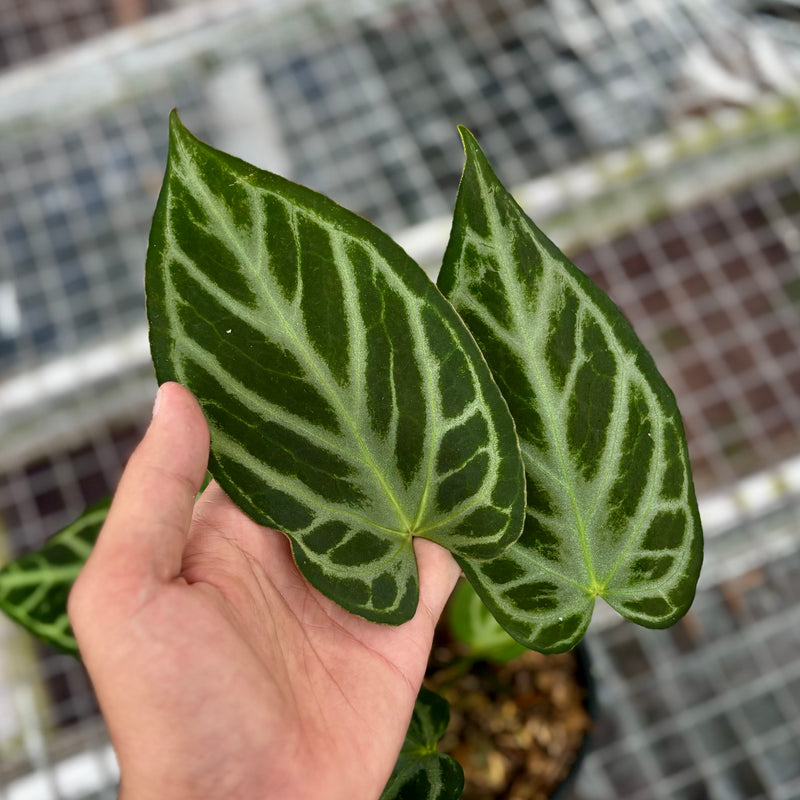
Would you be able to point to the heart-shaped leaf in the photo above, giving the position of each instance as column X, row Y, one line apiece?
column 348, row 405
column 611, row 504
column 421, row 772
column 34, row 588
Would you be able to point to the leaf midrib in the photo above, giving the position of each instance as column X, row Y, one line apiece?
column 519, row 315
column 627, row 372
column 302, row 347
column 309, row 429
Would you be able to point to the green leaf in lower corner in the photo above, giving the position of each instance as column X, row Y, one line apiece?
column 34, row 588
column 421, row 772
column 611, row 504
column 349, row 407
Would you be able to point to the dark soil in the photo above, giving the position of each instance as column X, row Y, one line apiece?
column 515, row 728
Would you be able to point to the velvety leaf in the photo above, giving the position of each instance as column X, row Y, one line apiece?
column 348, row 405
column 473, row 625
column 422, row 773
column 611, row 504
column 34, row 588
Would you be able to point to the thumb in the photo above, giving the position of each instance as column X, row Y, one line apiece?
column 438, row 574
column 145, row 532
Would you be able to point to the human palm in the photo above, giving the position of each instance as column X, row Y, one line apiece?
column 220, row 671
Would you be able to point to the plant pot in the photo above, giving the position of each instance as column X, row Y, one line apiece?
column 519, row 729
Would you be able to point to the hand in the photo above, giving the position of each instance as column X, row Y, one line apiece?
column 220, row 671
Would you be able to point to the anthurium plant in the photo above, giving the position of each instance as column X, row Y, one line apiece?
column 509, row 414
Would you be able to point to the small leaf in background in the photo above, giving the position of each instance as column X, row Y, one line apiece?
column 34, row 588
column 348, row 405
column 473, row 625
column 611, row 505
column 421, row 772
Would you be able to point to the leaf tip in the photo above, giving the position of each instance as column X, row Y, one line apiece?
column 476, row 161
column 177, row 130
column 468, row 140
column 175, row 124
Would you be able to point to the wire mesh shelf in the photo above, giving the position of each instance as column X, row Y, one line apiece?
column 656, row 142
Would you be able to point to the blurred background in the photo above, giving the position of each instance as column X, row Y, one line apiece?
column 656, row 141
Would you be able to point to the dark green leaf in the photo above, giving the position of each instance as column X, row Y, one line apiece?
column 421, row 772
column 348, row 405
column 34, row 588
column 611, row 504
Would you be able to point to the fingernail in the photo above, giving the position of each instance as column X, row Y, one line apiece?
column 157, row 402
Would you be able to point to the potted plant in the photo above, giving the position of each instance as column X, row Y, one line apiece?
column 520, row 721
column 508, row 413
